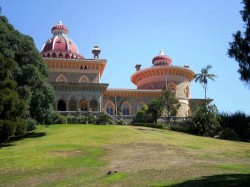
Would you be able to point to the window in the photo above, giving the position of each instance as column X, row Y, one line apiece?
column 125, row 109
column 61, row 78
column 84, row 79
column 109, row 109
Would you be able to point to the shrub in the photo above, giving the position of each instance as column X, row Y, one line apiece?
column 228, row 134
column 76, row 120
column 91, row 119
column 31, row 124
column 205, row 121
column 239, row 122
column 103, row 119
column 7, row 129
column 21, row 128
column 56, row 118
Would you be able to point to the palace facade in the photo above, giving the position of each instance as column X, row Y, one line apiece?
column 78, row 87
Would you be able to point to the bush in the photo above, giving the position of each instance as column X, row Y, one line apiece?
column 152, row 125
column 228, row 134
column 239, row 122
column 56, row 118
column 76, row 120
column 91, row 119
column 205, row 121
column 180, row 129
column 21, row 128
column 31, row 124
column 7, row 129
column 103, row 119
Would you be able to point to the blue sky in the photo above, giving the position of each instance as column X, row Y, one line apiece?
column 130, row 32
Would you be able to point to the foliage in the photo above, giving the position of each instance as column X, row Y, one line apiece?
column 103, row 119
column 228, row 134
column 76, row 120
column 142, row 116
column 21, row 127
column 7, row 129
column 31, row 124
column 203, row 76
column 12, row 108
column 235, row 126
column 29, row 73
column 155, row 108
column 205, row 121
column 239, row 49
column 170, row 104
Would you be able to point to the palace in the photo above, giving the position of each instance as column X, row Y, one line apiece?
column 76, row 80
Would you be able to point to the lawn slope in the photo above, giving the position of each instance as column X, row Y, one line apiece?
column 89, row 155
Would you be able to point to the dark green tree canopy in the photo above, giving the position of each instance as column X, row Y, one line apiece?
column 30, row 72
column 239, row 49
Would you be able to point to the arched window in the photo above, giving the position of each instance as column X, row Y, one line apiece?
column 110, row 107
column 54, row 55
column 126, row 108
column 61, row 78
column 60, row 55
column 67, row 55
column 84, row 79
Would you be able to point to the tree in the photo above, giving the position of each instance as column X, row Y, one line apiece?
column 203, row 78
column 142, row 115
column 239, row 49
column 30, row 72
column 170, row 104
column 155, row 108
column 12, row 108
column 205, row 121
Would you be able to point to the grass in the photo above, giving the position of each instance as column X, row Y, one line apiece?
column 82, row 155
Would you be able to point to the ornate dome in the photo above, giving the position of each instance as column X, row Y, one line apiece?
column 161, row 60
column 60, row 46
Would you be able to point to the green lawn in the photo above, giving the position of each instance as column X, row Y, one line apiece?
column 82, row 155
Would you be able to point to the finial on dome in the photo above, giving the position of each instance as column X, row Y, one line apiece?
column 59, row 22
column 161, row 52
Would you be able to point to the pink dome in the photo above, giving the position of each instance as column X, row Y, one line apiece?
column 60, row 46
column 161, row 60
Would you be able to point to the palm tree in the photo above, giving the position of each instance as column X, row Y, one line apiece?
column 203, row 76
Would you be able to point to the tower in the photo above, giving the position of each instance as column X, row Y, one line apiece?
column 96, row 51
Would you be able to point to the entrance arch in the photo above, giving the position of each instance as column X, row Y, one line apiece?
column 61, row 105
column 83, row 105
column 93, row 105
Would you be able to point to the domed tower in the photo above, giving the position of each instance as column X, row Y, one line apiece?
column 76, row 79
column 60, row 46
column 162, row 74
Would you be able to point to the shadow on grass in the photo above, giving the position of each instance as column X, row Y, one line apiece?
column 35, row 134
column 6, row 145
column 239, row 180
column 28, row 135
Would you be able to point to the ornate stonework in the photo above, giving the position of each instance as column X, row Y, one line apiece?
column 77, row 80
